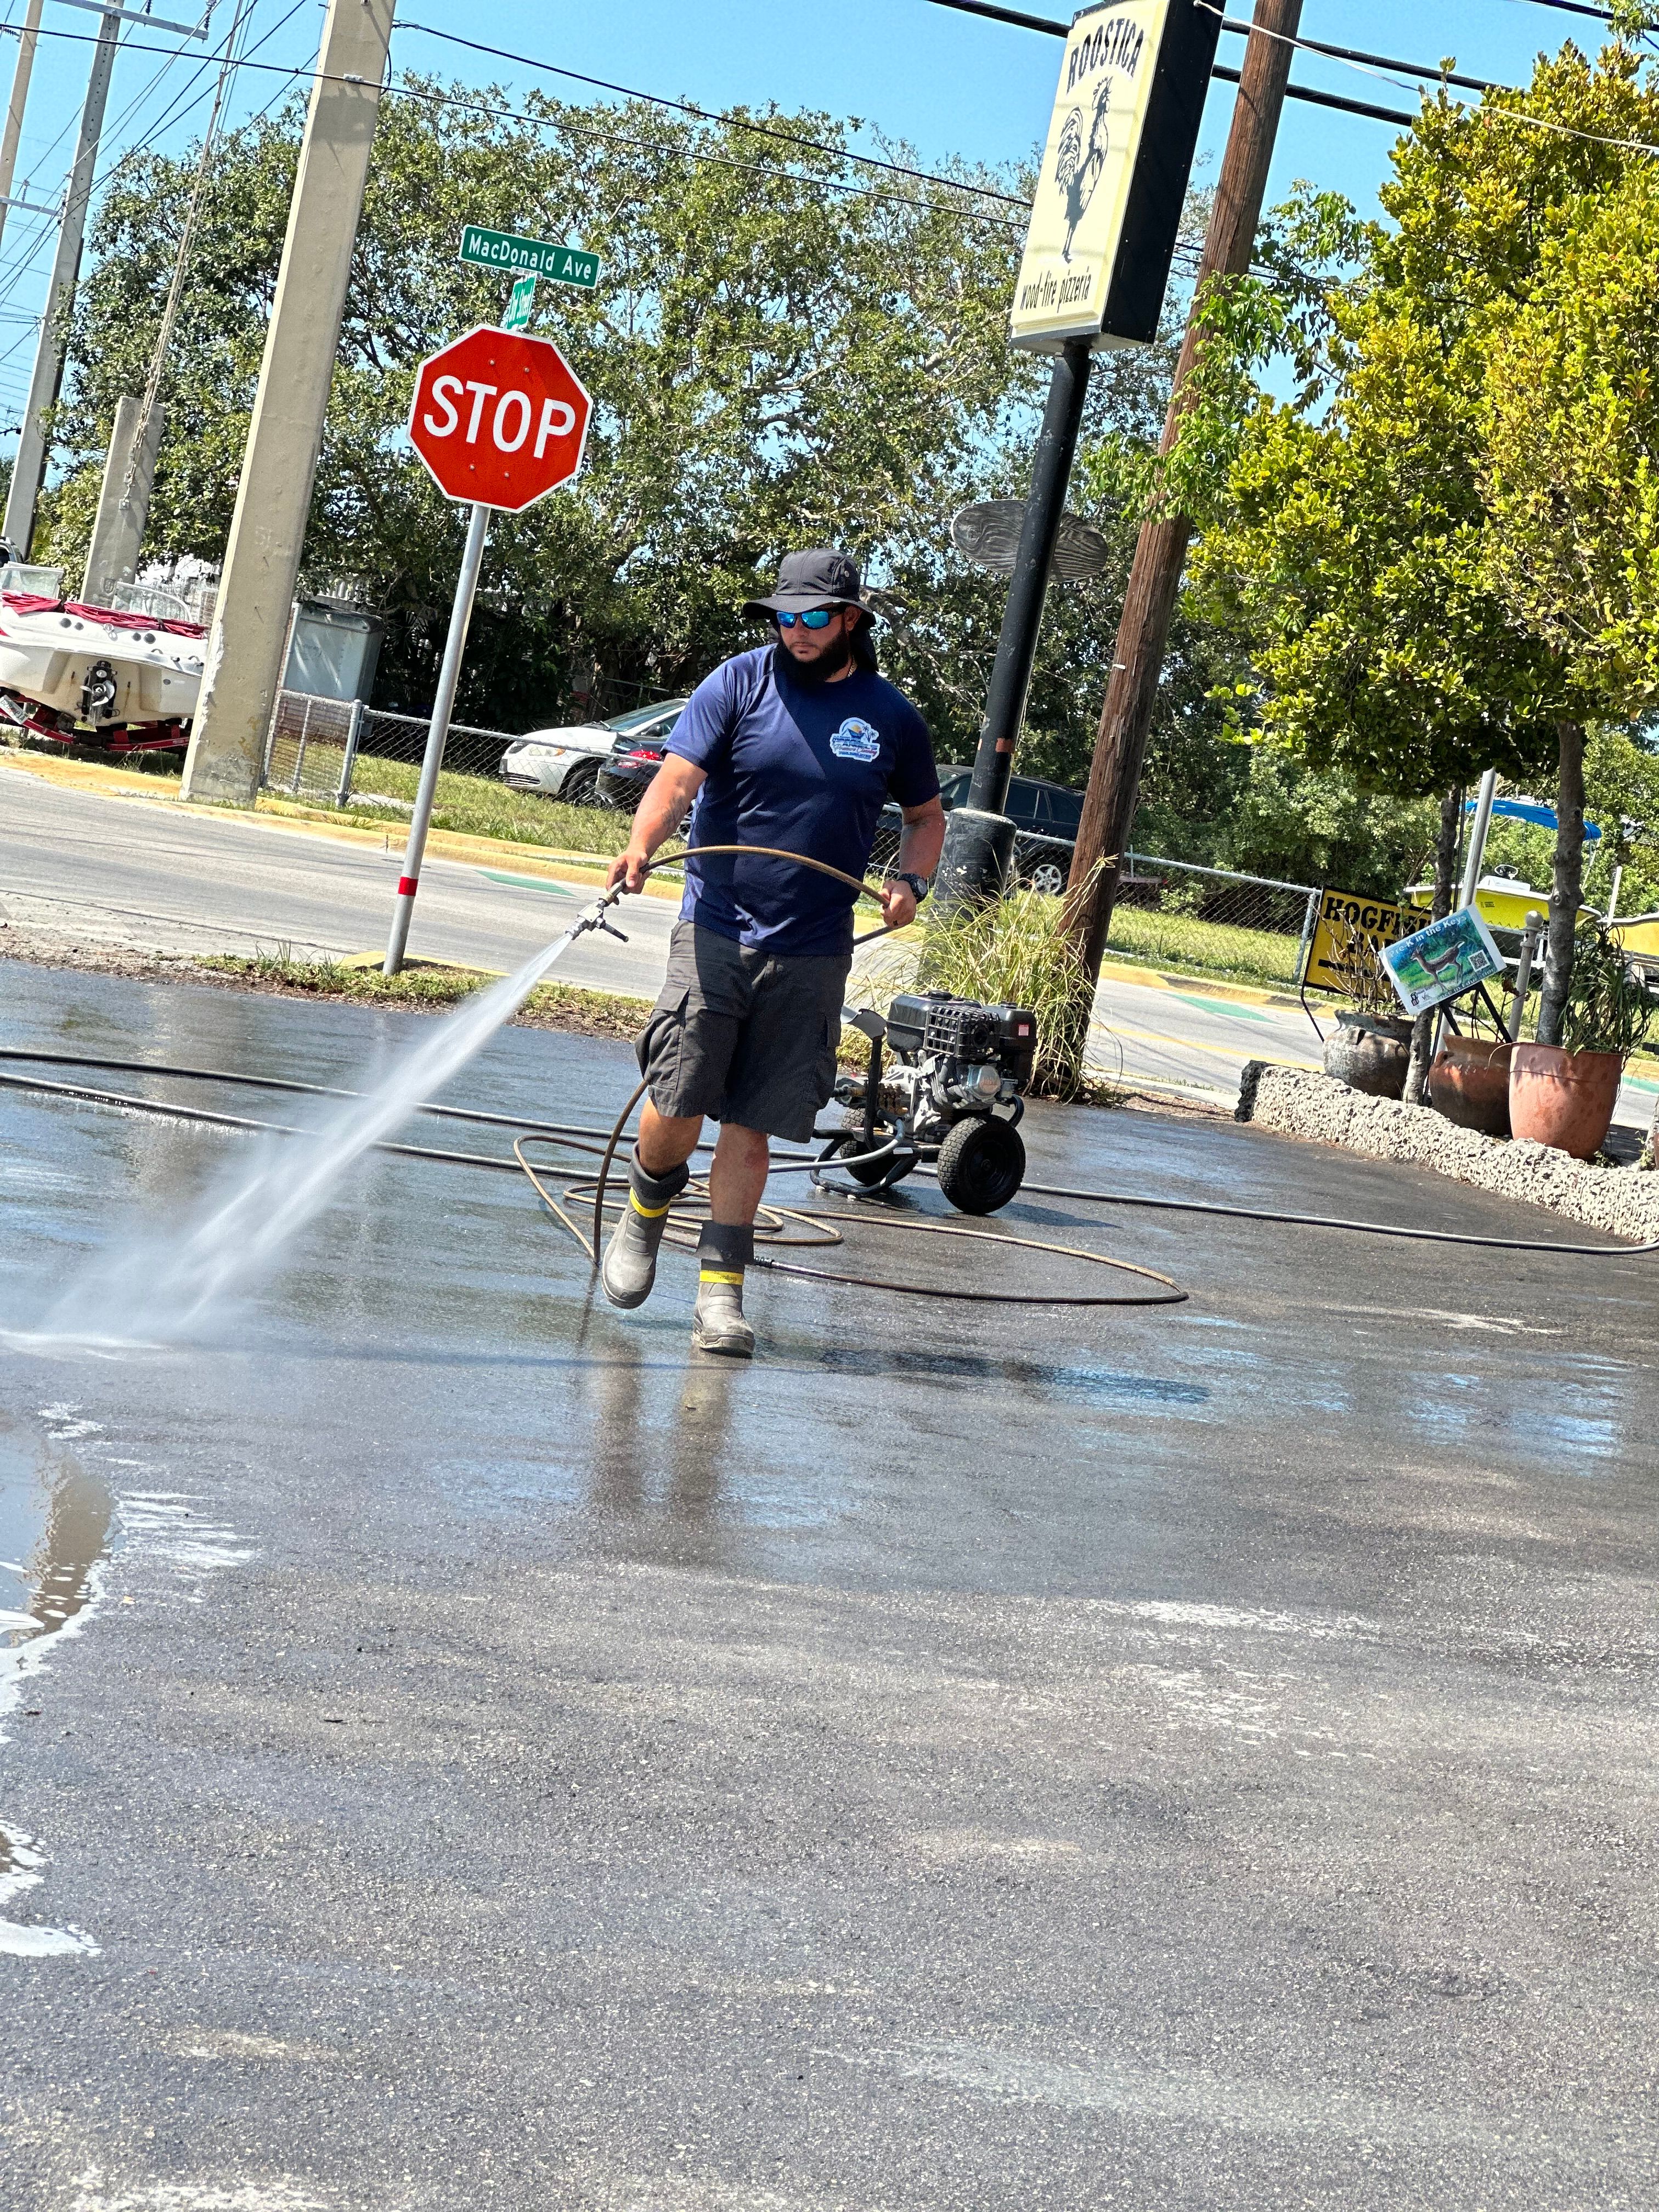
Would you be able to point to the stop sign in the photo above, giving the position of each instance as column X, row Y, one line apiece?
column 499, row 418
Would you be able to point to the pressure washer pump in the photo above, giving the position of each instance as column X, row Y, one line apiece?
column 946, row 1079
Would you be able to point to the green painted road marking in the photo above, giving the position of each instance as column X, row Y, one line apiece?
column 531, row 883
column 1224, row 1007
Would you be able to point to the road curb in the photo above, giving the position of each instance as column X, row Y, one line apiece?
column 1208, row 987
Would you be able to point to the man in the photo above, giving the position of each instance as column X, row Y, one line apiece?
column 796, row 745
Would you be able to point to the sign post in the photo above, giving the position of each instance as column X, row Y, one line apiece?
column 500, row 421
column 1104, row 220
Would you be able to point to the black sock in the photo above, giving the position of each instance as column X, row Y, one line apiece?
column 652, row 1195
column 724, row 1250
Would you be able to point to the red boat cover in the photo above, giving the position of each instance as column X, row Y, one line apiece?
column 36, row 602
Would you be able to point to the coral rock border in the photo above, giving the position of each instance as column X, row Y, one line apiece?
column 1623, row 1201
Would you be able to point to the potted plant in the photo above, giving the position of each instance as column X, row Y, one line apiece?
column 1371, row 1047
column 1564, row 1094
column 1469, row 1078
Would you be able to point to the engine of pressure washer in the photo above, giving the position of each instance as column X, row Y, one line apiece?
column 945, row 1078
column 963, row 1057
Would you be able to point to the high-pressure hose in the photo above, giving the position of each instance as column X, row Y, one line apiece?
column 778, row 1226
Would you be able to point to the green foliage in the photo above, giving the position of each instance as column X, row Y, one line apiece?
column 773, row 361
column 772, row 364
column 1572, row 439
column 1608, row 1007
column 1288, row 820
column 1348, row 535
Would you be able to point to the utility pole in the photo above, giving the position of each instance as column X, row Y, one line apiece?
column 118, row 535
column 124, row 501
column 30, row 464
column 28, row 39
column 262, row 561
column 1149, row 602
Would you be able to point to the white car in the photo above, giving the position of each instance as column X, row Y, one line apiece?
column 565, row 763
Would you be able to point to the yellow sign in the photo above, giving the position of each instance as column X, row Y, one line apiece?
column 1089, row 166
column 1348, row 922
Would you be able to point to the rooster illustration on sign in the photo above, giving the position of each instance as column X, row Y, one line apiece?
column 1078, row 167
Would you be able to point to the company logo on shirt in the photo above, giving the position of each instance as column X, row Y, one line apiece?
column 856, row 740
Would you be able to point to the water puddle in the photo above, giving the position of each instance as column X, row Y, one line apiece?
column 55, row 1521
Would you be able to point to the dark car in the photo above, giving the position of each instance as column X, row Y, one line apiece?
column 625, row 773
column 1046, row 816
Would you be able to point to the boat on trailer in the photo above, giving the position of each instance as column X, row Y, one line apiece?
column 77, row 674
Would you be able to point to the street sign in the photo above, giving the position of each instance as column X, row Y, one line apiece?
column 1107, row 209
column 989, row 533
column 537, row 257
column 520, row 304
column 499, row 419
column 1347, row 919
column 1444, row 961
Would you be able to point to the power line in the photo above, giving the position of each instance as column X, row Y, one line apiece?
column 706, row 115
column 1021, row 21
column 1377, row 61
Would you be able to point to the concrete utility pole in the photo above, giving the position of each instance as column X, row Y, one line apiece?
column 262, row 561
column 1149, row 602
column 124, row 501
column 30, row 464
column 27, row 39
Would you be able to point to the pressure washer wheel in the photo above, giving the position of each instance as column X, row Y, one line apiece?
column 981, row 1163
column 880, row 1175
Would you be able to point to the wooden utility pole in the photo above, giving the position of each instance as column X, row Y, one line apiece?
column 273, row 499
column 1108, row 806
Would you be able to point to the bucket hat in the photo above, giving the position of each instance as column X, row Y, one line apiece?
column 822, row 577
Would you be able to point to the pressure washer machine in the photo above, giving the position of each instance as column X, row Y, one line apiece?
column 946, row 1079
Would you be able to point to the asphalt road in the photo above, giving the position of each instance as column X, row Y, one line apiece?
column 1194, row 1760
column 135, row 873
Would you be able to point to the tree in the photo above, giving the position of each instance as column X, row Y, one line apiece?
column 821, row 353
column 1349, row 536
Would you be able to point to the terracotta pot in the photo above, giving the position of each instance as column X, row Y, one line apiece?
column 1469, row 1083
column 1370, row 1053
column 1563, row 1098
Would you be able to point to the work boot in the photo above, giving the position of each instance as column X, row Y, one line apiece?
column 630, row 1257
column 717, row 1325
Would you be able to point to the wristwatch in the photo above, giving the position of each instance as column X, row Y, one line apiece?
column 918, row 883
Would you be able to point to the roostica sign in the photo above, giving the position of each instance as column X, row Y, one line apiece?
column 532, row 257
column 1106, row 207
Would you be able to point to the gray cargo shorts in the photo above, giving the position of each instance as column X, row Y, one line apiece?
column 743, row 1034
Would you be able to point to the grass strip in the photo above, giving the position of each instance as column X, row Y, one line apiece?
column 431, row 990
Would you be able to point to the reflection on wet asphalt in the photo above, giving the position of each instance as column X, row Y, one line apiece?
column 54, row 1526
column 1201, row 1756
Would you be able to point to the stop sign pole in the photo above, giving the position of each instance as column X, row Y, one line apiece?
column 500, row 421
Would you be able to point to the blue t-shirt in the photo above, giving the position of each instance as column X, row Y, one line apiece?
column 806, row 768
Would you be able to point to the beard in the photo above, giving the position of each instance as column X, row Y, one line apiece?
column 811, row 673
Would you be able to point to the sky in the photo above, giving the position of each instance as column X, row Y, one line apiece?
column 946, row 82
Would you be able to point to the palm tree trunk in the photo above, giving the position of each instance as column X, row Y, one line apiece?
column 1567, row 888
column 1445, row 875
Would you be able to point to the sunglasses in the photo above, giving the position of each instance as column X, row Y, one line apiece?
column 814, row 619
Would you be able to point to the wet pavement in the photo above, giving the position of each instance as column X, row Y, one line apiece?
column 468, row 1752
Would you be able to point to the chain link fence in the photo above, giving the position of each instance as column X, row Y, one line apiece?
column 1177, row 914
column 331, row 750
